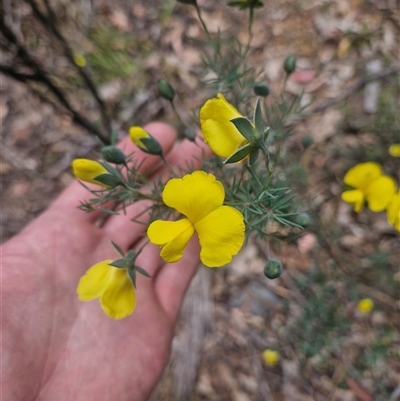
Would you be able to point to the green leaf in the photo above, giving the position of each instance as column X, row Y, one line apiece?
column 240, row 154
column 244, row 126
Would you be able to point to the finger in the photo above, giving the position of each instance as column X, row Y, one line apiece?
column 120, row 227
column 76, row 193
column 172, row 280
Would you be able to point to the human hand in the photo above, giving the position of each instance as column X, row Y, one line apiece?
column 56, row 347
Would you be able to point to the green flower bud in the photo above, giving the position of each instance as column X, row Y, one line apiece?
column 261, row 89
column 165, row 90
column 192, row 2
column 190, row 134
column 273, row 268
column 113, row 155
column 306, row 141
column 303, row 219
column 290, row 64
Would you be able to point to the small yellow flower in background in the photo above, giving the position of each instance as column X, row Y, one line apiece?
column 87, row 170
column 394, row 150
column 199, row 197
column 393, row 211
column 271, row 357
column 80, row 60
column 112, row 285
column 144, row 141
column 219, row 132
column 365, row 305
column 370, row 185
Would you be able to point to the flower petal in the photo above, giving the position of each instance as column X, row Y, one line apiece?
column 393, row 211
column 220, row 134
column 221, row 235
column 95, row 281
column 356, row 197
column 172, row 236
column 119, row 298
column 86, row 170
column 195, row 195
column 380, row 192
column 361, row 175
column 394, row 150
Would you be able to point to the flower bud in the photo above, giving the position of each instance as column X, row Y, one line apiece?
column 261, row 89
column 94, row 172
column 80, row 60
column 113, row 155
column 303, row 219
column 273, row 268
column 307, row 141
column 144, row 141
column 290, row 64
column 365, row 305
column 271, row 357
column 192, row 2
column 165, row 90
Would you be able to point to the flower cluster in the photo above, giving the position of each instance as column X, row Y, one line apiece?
column 376, row 189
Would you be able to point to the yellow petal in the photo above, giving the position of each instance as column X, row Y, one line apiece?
column 394, row 150
column 355, row 197
column 119, row 298
column 86, row 170
column 393, row 211
column 136, row 134
column 172, row 236
column 195, row 195
column 380, row 192
column 361, row 175
column 221, row 235
column 220, row 134
column 95, row 281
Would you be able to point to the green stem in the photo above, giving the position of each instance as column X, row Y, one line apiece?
column 203, row 23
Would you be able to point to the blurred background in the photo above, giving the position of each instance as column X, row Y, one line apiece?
column 74, row 70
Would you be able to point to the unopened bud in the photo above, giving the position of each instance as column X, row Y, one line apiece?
column 303, row 219
column 273, row 268
column 306, row 141
column 261, row 89
column 113, row 155
column 192, row 2
column 144, row 141
column 165, row 90
column 290, row 64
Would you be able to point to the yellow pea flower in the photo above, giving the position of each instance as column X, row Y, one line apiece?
column 271, row 357
column 370, row 185
column 365, row 305
column 87, row 170
column 199, row 197
column 144, row 141
column 393, row 211
column 218, row 131
column 80, row 60
column 394, row 150
column 112, row 285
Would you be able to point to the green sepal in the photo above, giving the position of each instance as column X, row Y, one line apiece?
column 120, row 263
column 151, row 145
column 142, row 271
column 244, row 126
column 118, row 249
column 113, row 155
column 254, row 155
column 132, row 276
column 258, row 120
column 111, row 169
column 240, row 154
column 108, row 179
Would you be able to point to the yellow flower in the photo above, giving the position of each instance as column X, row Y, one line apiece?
column 393, row 211
column 112, row 285
column 219, row 132
column 87, row 170
column 80, row 60
column 271, row 357
column 394, row 150
column 199, row 197
column 370, row 185
column 144, row 141
column 365, row 305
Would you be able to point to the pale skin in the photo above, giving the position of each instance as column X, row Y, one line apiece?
column 55, row 347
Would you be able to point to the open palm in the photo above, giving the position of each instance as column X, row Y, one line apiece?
column 58, row 348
